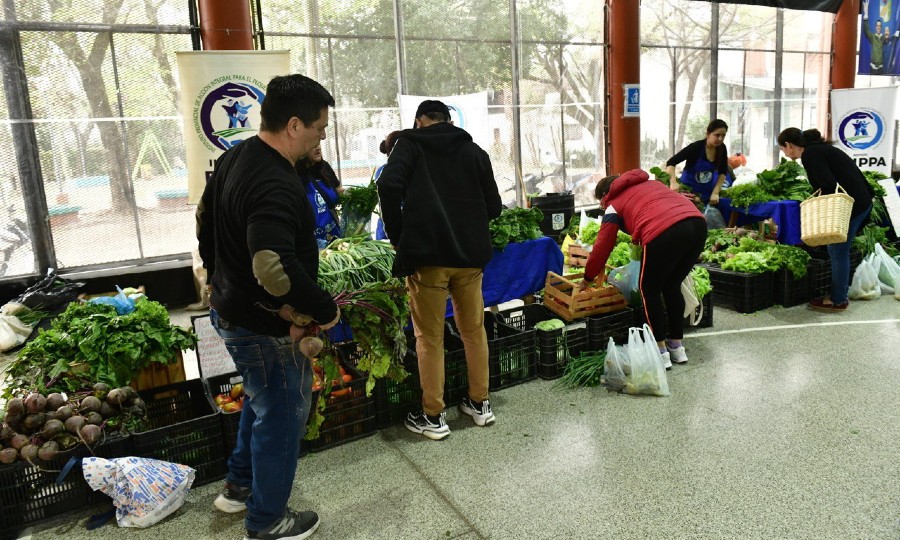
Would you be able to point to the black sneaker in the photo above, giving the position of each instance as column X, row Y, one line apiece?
column 433, row 427
column 480, row 412
column 232, row 499
column 291, row 526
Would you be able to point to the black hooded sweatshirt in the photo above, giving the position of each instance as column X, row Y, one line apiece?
column 437, row 195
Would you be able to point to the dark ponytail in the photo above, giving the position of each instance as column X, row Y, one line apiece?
column 800, row 138
column 811, row 136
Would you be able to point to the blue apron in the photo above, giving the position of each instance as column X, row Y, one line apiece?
column 323, row 199
column 702, row 178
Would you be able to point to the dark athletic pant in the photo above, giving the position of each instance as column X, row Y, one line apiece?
column 667, row 260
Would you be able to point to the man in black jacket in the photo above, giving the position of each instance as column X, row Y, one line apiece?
column 256, row 233
column 437, row 195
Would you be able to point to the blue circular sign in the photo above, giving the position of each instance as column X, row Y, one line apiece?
column 861, row 129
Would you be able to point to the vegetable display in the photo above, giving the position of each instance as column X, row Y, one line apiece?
column 38, row 427
column 589, row 233
column 787, row 181
column 91, row 343
column 871, row 235
column 702, row 282
column 515, row 225
column 879, row 211
column 357, row 205
column 583, row 371
column 740, row 250
column 350, row 263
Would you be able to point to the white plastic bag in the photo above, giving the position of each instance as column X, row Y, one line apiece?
column 615, row 368
column 714, row 219
column 889, row 272
column 647, row 373
column 143, row 490
column 691, row 302
column 627, row 280
column 865, row 284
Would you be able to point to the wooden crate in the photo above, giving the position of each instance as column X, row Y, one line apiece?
column 156, row 375
column 578, row 256
column 561, row 297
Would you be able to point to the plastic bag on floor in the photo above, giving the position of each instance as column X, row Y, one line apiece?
column 615, row 367
column 865, row 284
column 143, row 490
column 647, row 373
column 889, row 272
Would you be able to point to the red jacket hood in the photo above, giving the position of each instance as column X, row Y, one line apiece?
column 625, row 181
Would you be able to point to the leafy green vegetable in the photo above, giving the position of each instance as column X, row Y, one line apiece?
column 515, row 225
column 550, row 324
column 91, row 343
column 583, row 371
column 589, row 233
column 660, row 175
column 744, row 195
column 753, row 256
column 787, row 181
column 621, row 255
column 357, row 205
column 350, row 263
column 702, row 283
column 879, row 211
column 873, row 234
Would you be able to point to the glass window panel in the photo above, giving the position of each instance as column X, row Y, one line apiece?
column 152, row 12
column 657, row 109
column 746, row 27
column 807, row 30
column 480, row 20
column 16, row 254
column 675, row 22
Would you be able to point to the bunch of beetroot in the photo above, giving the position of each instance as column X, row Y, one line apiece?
column 39, row 427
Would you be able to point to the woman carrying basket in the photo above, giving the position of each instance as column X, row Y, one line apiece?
column 827, row 167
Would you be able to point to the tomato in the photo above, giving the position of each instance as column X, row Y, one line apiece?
column 347, row 377
column 231, row 407
column 237, row 391
column 340, row 393
column 222, row 399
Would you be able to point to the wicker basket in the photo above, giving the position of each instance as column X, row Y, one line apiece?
column 825, row 219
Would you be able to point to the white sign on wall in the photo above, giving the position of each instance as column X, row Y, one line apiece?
column 468, row 111
column 221, row 95
column 863, row 125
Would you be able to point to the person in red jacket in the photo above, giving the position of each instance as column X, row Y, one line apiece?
column 671, row 232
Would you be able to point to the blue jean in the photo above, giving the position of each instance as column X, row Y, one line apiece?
column 278, row 390
column 840, row 260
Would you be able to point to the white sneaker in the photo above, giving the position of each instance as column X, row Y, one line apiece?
column 666, row 360
column 481, row 413
column 678, row 355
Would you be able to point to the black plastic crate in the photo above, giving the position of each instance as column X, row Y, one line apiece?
column 29, row 494
column 553, row 348
column 511, row 358
column 611, row 325
column 395, row 400
column 231, row 421
column 820, row 253
column 742, row 291
column 348, row 416
column 185, row 429
column 456, row 373
column 791, row 292
column 821, row 277
column 706, row 321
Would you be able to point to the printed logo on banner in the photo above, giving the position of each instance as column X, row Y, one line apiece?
column 226, row 111
column 861, row 129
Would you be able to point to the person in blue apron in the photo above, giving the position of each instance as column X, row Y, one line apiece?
column 706, row 170
column 323, row 189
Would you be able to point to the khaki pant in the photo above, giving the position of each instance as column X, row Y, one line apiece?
column 428, row 290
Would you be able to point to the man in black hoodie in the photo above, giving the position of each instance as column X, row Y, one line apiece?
column 437, row 195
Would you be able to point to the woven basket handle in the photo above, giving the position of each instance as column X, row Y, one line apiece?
column 838, row 189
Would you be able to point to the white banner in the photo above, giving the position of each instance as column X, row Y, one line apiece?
column 469, row 112
column 221, row 94
column 863, row 125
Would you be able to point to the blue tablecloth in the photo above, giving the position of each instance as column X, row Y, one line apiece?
column 786, row 215
column 518, row 270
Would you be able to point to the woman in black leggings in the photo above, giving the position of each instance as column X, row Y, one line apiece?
column 672, row 233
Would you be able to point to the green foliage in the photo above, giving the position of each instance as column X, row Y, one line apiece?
column 757, row 257
column 515, row 225
column 589, row 233
column 702, row 282
column 744, row 195
column 660, row 175
column 357, row 205
column 879, row 211
column 91, row 343
column 549, row 325
column 786, row 182
column 348, row 264
column 870, row 236
column 583, row 371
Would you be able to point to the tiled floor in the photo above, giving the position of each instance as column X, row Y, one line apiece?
column 784, row 424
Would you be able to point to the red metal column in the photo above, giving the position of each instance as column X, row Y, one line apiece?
column 624, row 64
column 225, row 25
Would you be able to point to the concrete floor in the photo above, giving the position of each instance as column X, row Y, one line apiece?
column 783, row 425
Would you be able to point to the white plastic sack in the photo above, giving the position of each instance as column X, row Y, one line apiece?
column 865, row 284
column 714, row 219
column 627, row 280
column 13, row 332
column 889, row 272
column 615, row 368
column 647, row 373
column 143, row 490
